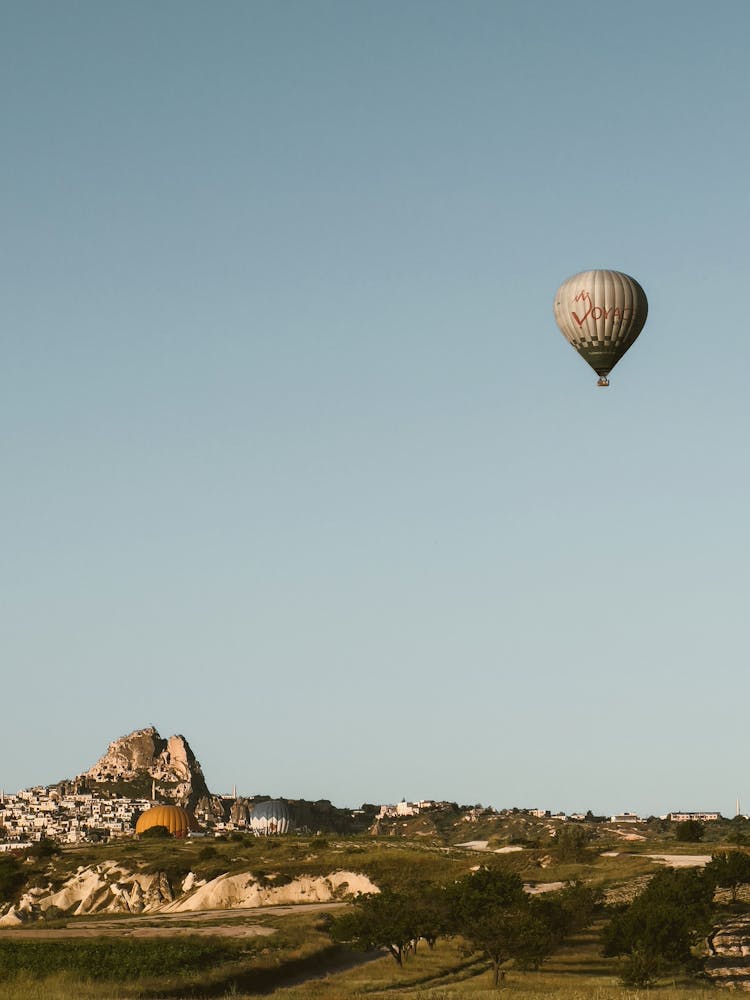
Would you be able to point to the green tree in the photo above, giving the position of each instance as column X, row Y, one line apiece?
column 738, row 830
column 494, row 915
column 729, row 870
column 665, row 921
column 429, row 910
column 11, row 877
column 568, row 910
column 571, row 842
column 378, row 920
column 690, row 831
column 43, row 849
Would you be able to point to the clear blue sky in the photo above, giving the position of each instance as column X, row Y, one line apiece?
column 294, row 460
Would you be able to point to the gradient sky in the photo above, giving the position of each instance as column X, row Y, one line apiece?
column 294, row 460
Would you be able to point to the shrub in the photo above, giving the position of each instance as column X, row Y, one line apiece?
column 640, row 969
column 11, row 877
column 156, row 833
column 43, row 849
column 690, row 831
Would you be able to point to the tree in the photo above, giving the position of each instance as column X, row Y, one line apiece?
column 568, row 910
column 44, row 848
column 738, row 830
column 729, row 870
column 664, row 922
column 11, row 877
column 379, row 920
column 690, row 831
column 571, row 842
column 494, row 915
column 428, row 907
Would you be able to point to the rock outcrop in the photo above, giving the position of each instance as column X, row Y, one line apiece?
column 104, row 888
column 144, row 755
column 728, row 963
column 111, row 888
column 247, row 891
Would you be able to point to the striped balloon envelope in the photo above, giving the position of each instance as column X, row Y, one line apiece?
column 601, row 314
column 270, row 817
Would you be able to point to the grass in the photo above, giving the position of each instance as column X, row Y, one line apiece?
column 301, row 951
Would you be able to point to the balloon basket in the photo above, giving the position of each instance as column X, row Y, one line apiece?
column 603, row 381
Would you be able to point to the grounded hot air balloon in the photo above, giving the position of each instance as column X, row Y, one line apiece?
column 271, row 817
column 180, row 822
column 600, row 314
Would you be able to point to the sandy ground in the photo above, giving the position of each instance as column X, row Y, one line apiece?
column 681, row 860
column 534, row 888
column 672, row 860
column 484, row 845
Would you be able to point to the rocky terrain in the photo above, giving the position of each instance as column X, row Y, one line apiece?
column 110, row 887
column 145, row 757
column 729, row 951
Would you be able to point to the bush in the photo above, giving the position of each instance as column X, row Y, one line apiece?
column 666, row 920
column 156, row 833
column 571, row 842
column 11, row 877
column 640, row 969
column 690, row 831
column 729, row 870
column 43, row 849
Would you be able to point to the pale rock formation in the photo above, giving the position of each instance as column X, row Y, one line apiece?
column 110, row 888
column 170, row 763
column 244, row 891
column 213, row 806
column 240, row 812
column 729, row 953
column 104, row 888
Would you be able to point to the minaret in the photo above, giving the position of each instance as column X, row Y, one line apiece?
column 738, row 806
column 234, row 791
column 153, row 789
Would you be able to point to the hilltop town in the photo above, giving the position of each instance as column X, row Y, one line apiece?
column 141, row 770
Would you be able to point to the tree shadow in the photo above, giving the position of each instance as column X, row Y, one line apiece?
column 332, row 959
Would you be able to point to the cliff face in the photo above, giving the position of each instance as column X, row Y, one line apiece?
column 170, row 763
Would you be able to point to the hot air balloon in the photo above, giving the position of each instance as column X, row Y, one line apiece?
column 601, row 313
column 180, row 822
column 271, row 817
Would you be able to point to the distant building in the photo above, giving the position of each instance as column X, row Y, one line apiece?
column 405, row 808
column 402, row 808
column 626, row 818
column 700, row 817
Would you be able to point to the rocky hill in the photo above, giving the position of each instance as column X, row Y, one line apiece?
column 135, row 763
